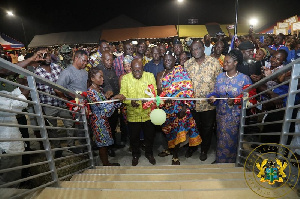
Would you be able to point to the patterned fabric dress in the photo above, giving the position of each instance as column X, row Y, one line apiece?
column 228, row 118
column 178, row 84
column 99, row 118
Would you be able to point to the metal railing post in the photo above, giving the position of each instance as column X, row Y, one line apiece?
column 41, row 122
column 241, row 129
column 289, row 103
column 88, row 139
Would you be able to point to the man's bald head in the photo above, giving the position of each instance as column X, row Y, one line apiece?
column 137, row 68
column 107, row 59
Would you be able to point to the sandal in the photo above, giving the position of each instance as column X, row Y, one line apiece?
column 164, row 153
column 175, row 161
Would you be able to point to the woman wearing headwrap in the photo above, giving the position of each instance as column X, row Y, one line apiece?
column 127, row 66
column 174, row 81
column 262, row 54
column 229, row 84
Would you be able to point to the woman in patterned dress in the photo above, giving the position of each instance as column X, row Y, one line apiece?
column 229, row 84
column 175, row 82
column 100, row 113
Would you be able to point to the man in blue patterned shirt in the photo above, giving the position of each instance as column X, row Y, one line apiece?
column 95, row 59
column 118, row 61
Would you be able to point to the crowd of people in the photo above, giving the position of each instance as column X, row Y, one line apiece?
column 209, row 68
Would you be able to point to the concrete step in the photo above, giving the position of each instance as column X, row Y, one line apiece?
column 10, row 192
column 159, row 185
column 159, row 177
column 78, row 193
column 221, row 165
column 167, row 170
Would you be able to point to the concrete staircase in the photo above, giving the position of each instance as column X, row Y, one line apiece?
column 152, row 182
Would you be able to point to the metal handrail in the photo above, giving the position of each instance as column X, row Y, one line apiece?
column 46, row 154
column 21, row 71
column 250, row 140
column 282, row 70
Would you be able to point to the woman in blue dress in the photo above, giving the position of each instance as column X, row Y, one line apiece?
column 100, row 113
column 229, row 84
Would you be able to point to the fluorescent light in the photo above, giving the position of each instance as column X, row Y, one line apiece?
column 10, row 13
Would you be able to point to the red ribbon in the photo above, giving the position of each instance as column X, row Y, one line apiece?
column 151, row 103
column 251, row 93
column 76, row 108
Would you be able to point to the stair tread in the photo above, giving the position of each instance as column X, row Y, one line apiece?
column 79, row 193
column 157, row 185
column 171, row 170
column 162, row 177
column 221, row 165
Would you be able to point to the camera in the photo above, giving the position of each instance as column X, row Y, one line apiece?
column 44, row 55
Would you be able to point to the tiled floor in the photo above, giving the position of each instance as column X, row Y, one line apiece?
column 123, row 156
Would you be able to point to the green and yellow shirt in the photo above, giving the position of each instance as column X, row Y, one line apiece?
column 135, row 88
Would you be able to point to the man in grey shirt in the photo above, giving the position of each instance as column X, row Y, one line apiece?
column 74, row 78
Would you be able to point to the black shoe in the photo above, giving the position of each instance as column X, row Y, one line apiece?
column 112, row 164
column 175, row 161
column 214, row 162
column 151, row 159
column 135, row 161
column 111, row 152
column 189, row 152
column 165, row 153
column 203, row 156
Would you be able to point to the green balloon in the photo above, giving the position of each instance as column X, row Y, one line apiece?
column 158, row 116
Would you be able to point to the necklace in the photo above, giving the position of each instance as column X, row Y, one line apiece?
column 233, row 75
column 163, row 75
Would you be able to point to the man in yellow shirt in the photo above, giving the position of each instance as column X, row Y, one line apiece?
column 133, row 85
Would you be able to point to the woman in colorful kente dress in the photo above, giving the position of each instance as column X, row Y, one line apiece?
column 174, row 81
column 100, row 113
column 229, row 84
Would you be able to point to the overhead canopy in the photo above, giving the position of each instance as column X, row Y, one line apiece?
column 213, row 28
column 242, row 29
column 82, row 37
column 198, row 31
column 150, row 32
column 9, row 43
column 192, row 31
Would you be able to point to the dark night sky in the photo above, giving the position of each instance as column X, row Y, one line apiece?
column 42, row 17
